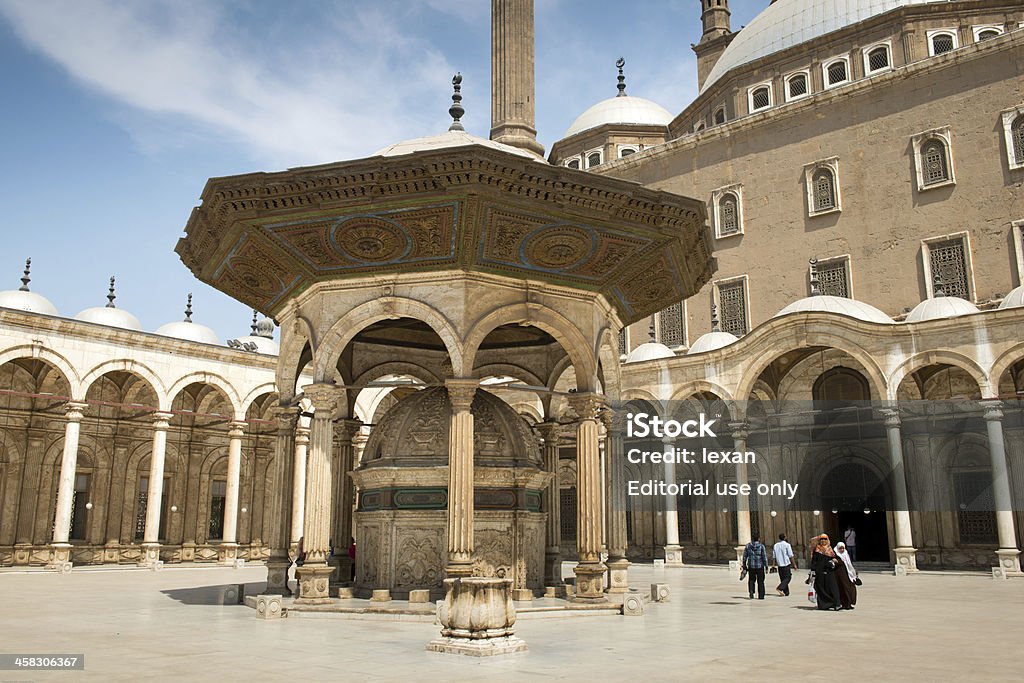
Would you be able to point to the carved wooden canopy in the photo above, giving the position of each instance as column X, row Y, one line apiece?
column 264, row 237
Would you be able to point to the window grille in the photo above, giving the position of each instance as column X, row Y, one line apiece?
column 728, row 214
column 987, row 33
column 878, row 59
column 836, row 72
column 832, row 278
column 1017, row 135
column 720, row 116
column 949, row 260
column 975, row 505
column 575, row 163
column 798, row 85
column 824, row 190
column 942, row 43
column 218, row 496
column 670, row 322
column 626, row 152
column 684, row 523
column 760, row 98
column 732, row 303
column 567, row 499
column 622, row 342
column 594, row 160
column 140, row 507
column 933, row 159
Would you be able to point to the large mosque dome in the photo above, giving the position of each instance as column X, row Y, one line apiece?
column 622, row 110
column 786, row 23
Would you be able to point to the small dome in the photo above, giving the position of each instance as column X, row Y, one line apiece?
column 189, row 331
column 30, row 302
column 825, row 303
column 111, row 317
column 941, row 307
column 624, row 110
column 651, row 350
column 263, row 344
column 448, row 140
column 711, row 341
column 1014, row 299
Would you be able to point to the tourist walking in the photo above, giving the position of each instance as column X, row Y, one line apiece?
column 755, row 561
column 850, row 538
column 785, row 561
column 823, row 565
column 846, row 577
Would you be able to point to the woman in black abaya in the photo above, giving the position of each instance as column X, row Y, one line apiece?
column 823, row 564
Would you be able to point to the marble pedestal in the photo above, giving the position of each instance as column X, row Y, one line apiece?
column 477, row 616
column 906, row 561
column 314, row 580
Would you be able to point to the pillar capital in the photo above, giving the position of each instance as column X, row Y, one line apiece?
column 548, row 431
column 993, row 409
column 287, row 417
column 460, row 393
column 162, row 420
column 740, row 430
column 345, row 429
column 302, row 436
column 236, row 428
column 324, row 398
column 588, row 406
column 74, row 411
column 891, row 416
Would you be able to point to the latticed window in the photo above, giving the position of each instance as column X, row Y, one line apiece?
column 949, row 260
column 140, row 508
column 575, row 163
column 1017, row 134
column 720, row 116
column 836, row 72
column 797, row 85
column 728, row 214
column 832, row 278
column 685, row 521
column 987, row 33
column 975, row 508
column 622, row 341
column 942, row 43
column 567, row 499
column 218, row 496
column 935, row 166
column 594, row 160
column 732, row 305
column 878, row 59
column 760, row 98
column 824, row 190
column 670, row 322
column 625, row 152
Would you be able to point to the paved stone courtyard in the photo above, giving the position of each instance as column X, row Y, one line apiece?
column 133, row 624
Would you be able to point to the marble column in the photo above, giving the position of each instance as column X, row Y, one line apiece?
column 673, row 551
column 299, row 482
column 60, row 555
column 314, row 574
column 1008, row 555
column 460, row 478
column 590, row 570
column 615, row 512
column 739, row 437
column 553, row 506
column 229, row 540
column 905, row 552
column 154, row 495
column 345, row 431
column 279, row 506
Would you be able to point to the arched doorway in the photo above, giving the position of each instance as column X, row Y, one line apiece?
column 853, row 495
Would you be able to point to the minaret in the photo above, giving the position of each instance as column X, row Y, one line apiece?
column 512, row 114
column 714, row 14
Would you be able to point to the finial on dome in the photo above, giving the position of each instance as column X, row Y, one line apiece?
column 265, row 328
column 715, row 327
column 25, row 279
column 253, row 326
column 110, row 294
column 188, row 309
column 456, row 110
column 815, row 289
column 620, row 62
column 938, row 286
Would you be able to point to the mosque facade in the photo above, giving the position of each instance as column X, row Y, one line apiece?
column 823, row 250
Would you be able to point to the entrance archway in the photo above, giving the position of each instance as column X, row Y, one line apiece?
column 852, row 494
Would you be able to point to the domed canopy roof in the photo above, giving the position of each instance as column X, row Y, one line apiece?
column 651, row 350
column 786, row 23
column 111, row 317
column 941, row 307
column 415, row 431
column 1014, row 299
column 22, row 299
column 712, row 340
column 447, row 140
column 837, row 304
column 624, row 110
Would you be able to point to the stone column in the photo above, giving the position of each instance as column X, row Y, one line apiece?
column 590, row 570
column 1008, row 553
column 905, row 552
column 279, row 505
column 460, row 478
column 229, row 542
column 345, row 431
column 299, row 482
column 314, row 574
column 618, row 565
column 553, row 505
column 154, row 498
column 739, row 437
column 673, row 551
column 60, row 556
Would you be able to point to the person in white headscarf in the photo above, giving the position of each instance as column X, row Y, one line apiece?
column 846, row 576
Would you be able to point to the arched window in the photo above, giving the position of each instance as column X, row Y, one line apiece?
column 593, row 159
column 626, row 151
column 1017, row 135
column 824, row 190
column 720, row 116
column 575, row 163
column 942, row 43
column 760, row 98
column 986, row 33
column 841, row 384
column 878, row 59
column 728, row 214
column 935, row 165
column 836, row 72
column 796, row 86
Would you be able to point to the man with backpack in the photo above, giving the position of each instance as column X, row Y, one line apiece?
column 755, row 561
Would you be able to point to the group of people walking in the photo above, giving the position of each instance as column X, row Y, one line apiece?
column 832, row 574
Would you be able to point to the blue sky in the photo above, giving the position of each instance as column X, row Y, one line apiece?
column 115, row 113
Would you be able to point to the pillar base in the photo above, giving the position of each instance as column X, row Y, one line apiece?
column 227, row 554
column 277, row 576
column 150, row 556
column 552, row 569
column 906, row 561
column 618, row 575
column 590, row 582
column 60, row 558
column 1008, row 564
column 314, row 582
column 673, row 556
